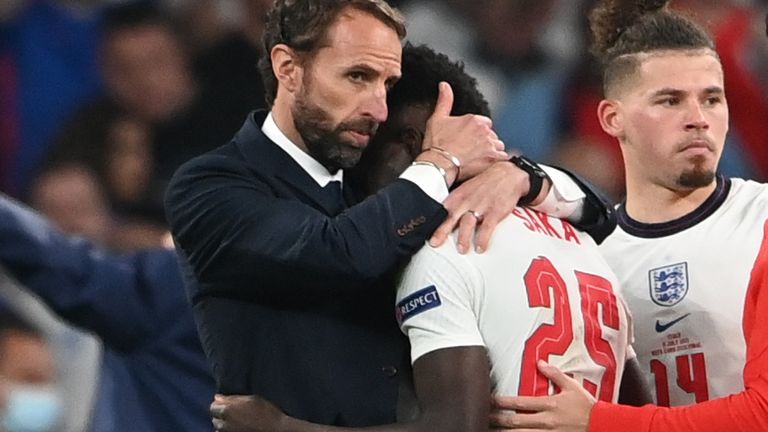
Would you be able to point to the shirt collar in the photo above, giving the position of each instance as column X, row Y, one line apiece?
column 318, row 172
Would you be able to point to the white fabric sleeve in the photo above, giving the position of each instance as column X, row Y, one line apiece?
column 565, row 199
column 437, row 302
column 427, row 179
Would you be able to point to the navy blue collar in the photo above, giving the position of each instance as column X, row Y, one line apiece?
column 663, row 229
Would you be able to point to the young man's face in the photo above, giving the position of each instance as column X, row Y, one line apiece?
column 395, row 146
column 343, row 94
column 673, row 119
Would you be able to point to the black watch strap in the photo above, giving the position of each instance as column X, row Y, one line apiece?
column 535, row 174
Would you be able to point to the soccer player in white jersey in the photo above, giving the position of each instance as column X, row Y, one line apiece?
column 691, row 249
column 479, row 323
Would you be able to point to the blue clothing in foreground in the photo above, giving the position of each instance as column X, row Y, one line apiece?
column 157, row 375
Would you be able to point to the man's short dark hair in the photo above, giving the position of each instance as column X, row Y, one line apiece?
column 423, row 69
column 303, row 24
column 624, row 28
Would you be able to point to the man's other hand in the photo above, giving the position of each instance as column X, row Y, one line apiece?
column 245, row 414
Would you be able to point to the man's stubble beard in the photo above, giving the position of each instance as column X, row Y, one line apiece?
column 322, row 138
column 696, row 177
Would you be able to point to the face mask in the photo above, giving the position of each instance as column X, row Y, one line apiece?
column 31, row 409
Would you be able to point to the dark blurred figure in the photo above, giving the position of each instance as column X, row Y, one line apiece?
column 584, row 147
column 228, row 68
column 71, row 196
column 154, row 116
column 47, row 68
column 502, row 43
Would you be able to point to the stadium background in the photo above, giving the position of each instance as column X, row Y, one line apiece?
column 95, row 113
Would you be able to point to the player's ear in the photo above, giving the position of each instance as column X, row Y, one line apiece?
column 611, row 119
column 286, row 66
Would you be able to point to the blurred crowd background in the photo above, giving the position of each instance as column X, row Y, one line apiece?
column 101, row 100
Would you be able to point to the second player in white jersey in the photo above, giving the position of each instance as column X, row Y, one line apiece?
column 685, row 282
column 542, row 291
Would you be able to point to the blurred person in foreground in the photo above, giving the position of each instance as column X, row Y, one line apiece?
column 691, row 249
column 153, row 374
column 478, row 323
column 290, row 279
column 29, row 401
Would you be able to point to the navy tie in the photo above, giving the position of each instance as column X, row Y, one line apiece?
column 334, row 198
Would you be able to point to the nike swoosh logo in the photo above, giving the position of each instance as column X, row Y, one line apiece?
column 660, row 328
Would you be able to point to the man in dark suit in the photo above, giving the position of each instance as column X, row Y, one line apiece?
column 289, row 281
column 451, row 374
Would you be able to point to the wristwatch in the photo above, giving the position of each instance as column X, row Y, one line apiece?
column 535, row 174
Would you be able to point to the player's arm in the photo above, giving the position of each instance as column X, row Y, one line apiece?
column 233, row 230
column 499, row 189
column 124, row 299
column 577, row 200
column 452, row 385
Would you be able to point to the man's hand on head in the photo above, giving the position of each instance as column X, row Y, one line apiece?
column 480, row 203
column 470, row 139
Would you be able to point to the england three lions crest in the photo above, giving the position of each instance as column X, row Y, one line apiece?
column 669, row 284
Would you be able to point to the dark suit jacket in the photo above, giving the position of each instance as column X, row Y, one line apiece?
column 293, row 302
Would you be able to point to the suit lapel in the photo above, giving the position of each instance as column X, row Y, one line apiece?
column 267, row 158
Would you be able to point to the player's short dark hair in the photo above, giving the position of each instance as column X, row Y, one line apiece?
column 423, row 70
column 302, row 25
column 624, row 28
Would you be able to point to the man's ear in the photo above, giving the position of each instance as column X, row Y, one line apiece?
column 286, row 67
column 609, row 111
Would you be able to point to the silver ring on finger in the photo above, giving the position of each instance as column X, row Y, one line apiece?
column 477, row 215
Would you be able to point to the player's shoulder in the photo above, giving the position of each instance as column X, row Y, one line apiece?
column 747, row 197
column 438, row 257
column 535, row 226
column 746, row 189
column 522, row 229
column 442, row 265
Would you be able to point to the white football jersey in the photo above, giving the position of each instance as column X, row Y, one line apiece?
column 685, row 282
column 541, row 291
